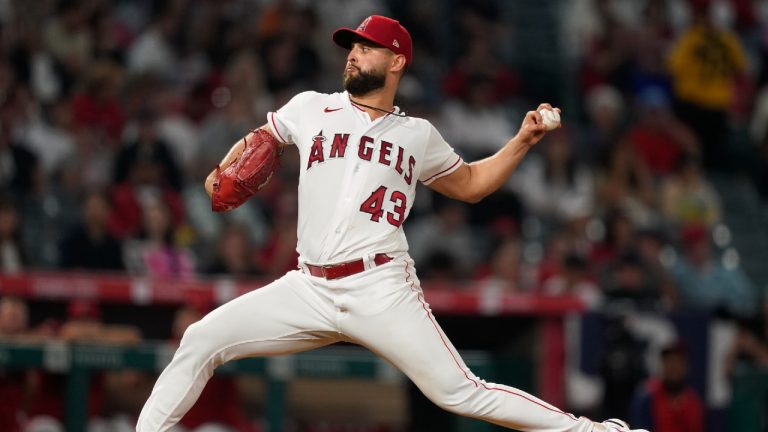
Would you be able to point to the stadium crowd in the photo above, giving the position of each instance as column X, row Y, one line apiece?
column 113, row 112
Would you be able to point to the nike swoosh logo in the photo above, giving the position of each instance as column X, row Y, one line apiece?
column 331, row 109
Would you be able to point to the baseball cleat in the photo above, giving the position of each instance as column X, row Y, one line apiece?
column 614, row 425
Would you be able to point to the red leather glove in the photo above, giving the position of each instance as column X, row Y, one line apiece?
column 252, row 170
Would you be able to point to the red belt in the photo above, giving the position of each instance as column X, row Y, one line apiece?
column 341, row 270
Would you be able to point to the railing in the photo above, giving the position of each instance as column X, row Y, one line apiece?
column 79, row 361
column 144, row 291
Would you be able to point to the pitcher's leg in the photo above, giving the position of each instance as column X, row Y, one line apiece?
column 283, row 317
column 406, row 333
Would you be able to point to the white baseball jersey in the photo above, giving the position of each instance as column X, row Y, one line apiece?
column 358, row 177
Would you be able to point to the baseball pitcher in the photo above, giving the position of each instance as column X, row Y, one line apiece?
column 361, row 158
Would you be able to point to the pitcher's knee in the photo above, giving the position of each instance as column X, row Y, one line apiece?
column 199, row 340
column 456, row 400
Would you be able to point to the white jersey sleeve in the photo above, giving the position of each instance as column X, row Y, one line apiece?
column 439, row 159
column 285, row 122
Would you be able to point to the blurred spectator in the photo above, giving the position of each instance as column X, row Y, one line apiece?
column 147, row 145
column 561, row 244
column 574, row 279
column 50, row 137
column 626, row 278
column 584, row 21
column 627, row 186
column 446, row 231
column 554, row 185
column 651, row 245
column 90, row 245
column 440, row 267
column 18, row 165
column 505, row 270
column 12, row 255
column 750, row 346
column 759, row 134
column 14, row 317
column 758, row 126
column 621, row 365
column 177, row 131
column 68, row 38
column 235, row 255
column 480, row 78
column 688, row 198
column 220, row 129
column 144, row 187
column 10, row 393
column 34, row 65
column 477, row 19
column 33, row 400
column 153, row 51
column 704, row 64
column 654, row 35
column 289, row 58
column 605, row 109
column 84, row 324
column 91, row 167
column 658, row 138
column 278, row 254
column 619, row 238
column 14, row 322
column 154, row 251
column 609, row 47
column 709, row 284
column 667, row 403
column 96, row 105
column 477, row 105
column 17, row 387
column 108, row 391
column 111, row 35
column 239, row 107
column 209, row 226
column 46, row 211
column 272, row 17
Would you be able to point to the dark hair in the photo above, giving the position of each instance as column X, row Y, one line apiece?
column 687, row 160
column 677, row 347
column 575, row 261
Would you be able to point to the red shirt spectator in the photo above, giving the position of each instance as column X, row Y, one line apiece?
column 659, row 139
column 106, row 114
column 97, row 104
column 130, row 197
column 668, row 403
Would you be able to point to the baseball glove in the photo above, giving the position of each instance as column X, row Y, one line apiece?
column 249, row 173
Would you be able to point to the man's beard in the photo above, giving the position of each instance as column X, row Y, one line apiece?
column 363, row 82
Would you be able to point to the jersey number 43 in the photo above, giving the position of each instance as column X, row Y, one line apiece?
column 373, row 206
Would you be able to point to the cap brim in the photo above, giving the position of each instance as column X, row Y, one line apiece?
column 343, row 37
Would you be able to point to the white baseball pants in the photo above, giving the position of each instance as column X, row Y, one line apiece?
column 382, row 309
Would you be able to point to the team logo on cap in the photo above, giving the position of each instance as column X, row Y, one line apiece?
column 395, row 43
column 363, row 24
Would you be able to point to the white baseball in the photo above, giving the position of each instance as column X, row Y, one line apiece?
column 551, row 118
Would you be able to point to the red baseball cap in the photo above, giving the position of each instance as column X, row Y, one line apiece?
column 381, row 30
